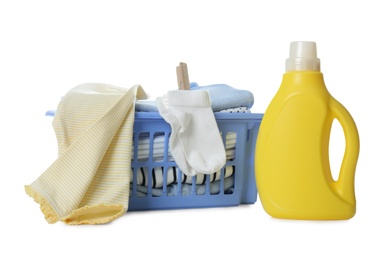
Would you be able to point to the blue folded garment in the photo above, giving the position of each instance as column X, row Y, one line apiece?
column 222, row 97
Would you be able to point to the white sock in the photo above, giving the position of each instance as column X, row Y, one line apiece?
column 195, row 142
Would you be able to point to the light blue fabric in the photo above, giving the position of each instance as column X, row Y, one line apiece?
column 222, row 97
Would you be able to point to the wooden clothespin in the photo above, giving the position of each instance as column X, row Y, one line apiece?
column 183, row 81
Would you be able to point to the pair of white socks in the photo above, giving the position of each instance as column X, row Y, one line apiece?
column 195, row 141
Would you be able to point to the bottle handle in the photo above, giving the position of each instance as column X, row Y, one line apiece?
column 345, row 183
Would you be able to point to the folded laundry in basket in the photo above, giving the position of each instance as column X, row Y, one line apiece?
column 236, row 110
column 150, row 106
column 172, row 176
column 222, row 97
column 143, row 147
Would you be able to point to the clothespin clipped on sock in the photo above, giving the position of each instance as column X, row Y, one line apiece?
column 183, row 81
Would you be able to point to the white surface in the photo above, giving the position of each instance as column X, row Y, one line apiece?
column 47, row 48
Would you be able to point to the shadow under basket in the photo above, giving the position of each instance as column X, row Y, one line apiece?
column 157, row 182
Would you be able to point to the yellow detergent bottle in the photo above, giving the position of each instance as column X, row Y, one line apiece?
column 292, row 167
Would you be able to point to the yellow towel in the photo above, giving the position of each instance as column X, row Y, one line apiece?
column 89, row 182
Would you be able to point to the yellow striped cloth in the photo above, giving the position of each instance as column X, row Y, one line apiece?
column 89, row 181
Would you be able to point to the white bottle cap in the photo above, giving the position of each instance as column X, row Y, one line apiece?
column 303, row 56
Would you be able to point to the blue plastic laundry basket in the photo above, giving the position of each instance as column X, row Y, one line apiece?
column 232, row 186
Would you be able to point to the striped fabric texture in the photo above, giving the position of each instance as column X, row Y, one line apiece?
column 89, row 181
column 172, row 174
column 158, row 141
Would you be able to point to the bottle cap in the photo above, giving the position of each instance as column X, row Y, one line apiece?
column 303, row 56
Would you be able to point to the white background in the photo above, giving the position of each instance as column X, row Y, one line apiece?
column 48, row 47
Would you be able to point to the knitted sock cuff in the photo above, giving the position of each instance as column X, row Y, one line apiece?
column 187, row 98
